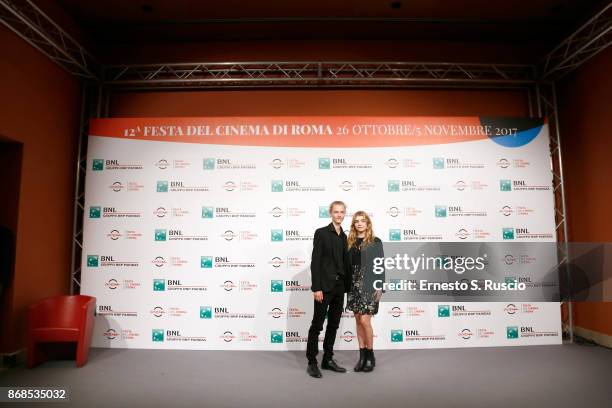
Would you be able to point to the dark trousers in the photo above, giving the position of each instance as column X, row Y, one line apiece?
column 332, row 305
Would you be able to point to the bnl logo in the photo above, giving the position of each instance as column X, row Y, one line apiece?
column 440, row 211
column 159, row 285
column 98, row 165
column 324, row 163
column 323, row 211
column 276, row 286
column 276, row 235
column 92, row 261
column 162, row 186
column 208, row 212
column 277, row 186
column 160, row 235
column 104, row 308
column 510, row 280
column 209, row 164
column 505, row 185
column 508, row 233
column 95, row 212
column 276, row 336
column 512, row 332
column 157, row 335
column 393, row 186
column 205, row 312
column 397, row 336
column 395, row 235
column 206, row 262
column 438, row 163
column 443, row 311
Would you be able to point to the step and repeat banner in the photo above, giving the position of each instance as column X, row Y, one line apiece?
column 198, row 231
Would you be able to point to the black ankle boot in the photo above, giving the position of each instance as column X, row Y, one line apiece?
column 372, row 358
column 313, row 370
column 359, row 365
column 367, row 364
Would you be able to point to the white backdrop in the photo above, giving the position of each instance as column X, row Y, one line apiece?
column 207, row 246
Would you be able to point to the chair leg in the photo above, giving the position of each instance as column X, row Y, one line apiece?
column 82, row 354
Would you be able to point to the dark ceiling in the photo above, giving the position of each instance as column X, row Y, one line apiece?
column 111, row 22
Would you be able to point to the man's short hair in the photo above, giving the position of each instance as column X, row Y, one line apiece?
column 331, row 206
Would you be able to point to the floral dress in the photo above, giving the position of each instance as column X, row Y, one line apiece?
column 360, row 299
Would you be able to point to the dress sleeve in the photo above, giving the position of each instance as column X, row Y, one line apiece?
column 373, row 250
column 380, row 253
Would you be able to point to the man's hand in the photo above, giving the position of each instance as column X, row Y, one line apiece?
column 318, row 296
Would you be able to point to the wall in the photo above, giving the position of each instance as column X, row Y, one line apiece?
column 41, row 111
column 585, row 113
column 320, row 102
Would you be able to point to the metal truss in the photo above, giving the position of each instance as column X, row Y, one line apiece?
column 91, row 106
column 30, row 23
column 591, row 38
column 547, row 107
column 314, row 74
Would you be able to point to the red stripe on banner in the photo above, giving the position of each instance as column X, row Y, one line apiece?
column 295, row 131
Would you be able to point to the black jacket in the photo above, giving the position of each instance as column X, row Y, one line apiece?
column 324, row 263
column 368, row 253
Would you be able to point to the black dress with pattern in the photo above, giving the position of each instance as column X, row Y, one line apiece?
column 360, row 299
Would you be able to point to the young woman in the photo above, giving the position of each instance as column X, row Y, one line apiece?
column 362, row 297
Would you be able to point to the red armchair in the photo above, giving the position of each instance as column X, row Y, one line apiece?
column 60, row 319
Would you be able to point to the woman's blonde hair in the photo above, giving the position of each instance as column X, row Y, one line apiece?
column 369, row 233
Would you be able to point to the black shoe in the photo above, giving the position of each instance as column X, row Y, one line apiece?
column 359, row 365
column 313, row 370
column 372, row 358
column 367, row 365
column 331, row 365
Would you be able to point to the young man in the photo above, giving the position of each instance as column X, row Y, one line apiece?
column 331, row 277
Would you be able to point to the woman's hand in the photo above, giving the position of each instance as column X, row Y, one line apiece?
column 377, row 295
